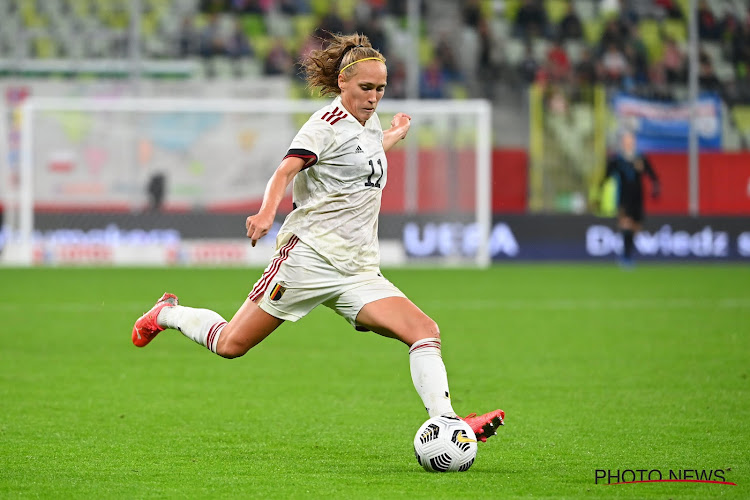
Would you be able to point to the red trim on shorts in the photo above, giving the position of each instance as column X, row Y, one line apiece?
column 262, row 285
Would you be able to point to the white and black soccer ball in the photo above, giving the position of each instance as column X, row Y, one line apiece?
column 445, row 444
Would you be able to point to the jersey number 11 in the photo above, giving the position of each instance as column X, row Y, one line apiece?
column 369, row 182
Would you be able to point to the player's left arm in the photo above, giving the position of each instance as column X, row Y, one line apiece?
column 399, row 127
column 649, row 170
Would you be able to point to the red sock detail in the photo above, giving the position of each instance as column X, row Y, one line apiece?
column 215, row 329
column 420, row 345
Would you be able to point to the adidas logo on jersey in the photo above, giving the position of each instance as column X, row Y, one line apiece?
column 359, row 150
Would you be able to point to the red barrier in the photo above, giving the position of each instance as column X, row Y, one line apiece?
column 724, row 184
column 510, row 180
column 671, row 168
column 447, row 181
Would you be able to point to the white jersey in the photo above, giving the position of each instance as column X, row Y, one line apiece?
column 337, row 194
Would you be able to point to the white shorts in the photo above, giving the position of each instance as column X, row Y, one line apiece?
column 298, row 279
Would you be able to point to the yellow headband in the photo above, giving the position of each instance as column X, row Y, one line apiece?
column 360, row 60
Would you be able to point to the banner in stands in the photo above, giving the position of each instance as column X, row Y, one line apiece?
column 217, row 239
column 563, row 237
column 664, row 126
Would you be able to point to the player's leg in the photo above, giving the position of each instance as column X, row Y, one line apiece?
column 397, row 317
column 627, row 228
column 248, row 327
column 400, row 318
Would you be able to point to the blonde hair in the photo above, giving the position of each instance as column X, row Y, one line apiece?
column 322, row 67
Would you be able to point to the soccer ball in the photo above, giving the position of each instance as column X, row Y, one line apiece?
column 445, row 444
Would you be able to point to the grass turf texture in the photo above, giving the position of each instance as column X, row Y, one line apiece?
column 596, row 368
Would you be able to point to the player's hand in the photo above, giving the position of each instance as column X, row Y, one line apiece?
column 401, row 121
column 258, row 226
column 655, row 191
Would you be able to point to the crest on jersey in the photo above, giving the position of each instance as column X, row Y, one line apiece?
column 277, row 291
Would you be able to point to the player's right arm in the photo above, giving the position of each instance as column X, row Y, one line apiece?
column 259, row 224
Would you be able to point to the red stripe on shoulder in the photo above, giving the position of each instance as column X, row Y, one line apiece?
column 333, row 117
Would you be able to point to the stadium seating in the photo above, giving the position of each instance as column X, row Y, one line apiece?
column 60, row 32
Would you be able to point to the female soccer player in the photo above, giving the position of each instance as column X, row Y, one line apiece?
column 327, row 249
column 628, row 167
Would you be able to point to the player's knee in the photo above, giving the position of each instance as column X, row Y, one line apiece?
column 429, row 329
column 231, row 349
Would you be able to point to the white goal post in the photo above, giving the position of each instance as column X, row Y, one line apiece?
column 39, row 165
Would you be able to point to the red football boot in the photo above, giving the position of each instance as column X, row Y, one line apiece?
column 146, row 328
column 486, row 425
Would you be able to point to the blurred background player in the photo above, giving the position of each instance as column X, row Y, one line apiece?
column 627, row 167
column 327, row 249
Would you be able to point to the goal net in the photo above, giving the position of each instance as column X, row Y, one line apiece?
column 143, row 181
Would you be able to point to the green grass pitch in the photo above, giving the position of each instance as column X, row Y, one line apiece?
column 596, row 368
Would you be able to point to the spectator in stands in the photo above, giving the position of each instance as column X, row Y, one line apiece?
column 187, row 39
column 211, row 44
column 448, row 61
column 728, row 25
column 637, row 56
column 246, row 6
column 585, row 70
column 398, row 7
column 432, row 82
column 614, row 65
column 238, row 48
column 707, row 79
column 290, row 7
column 630, row 12
column 278, row 61
column 671, row 8
column 372, row 28
column 528, row 67
column 570, row 27
column 378, row 7
column 471, row 13
column 212, row 6
column 397, row 78
column 531, row 20
column 708, row 26
column 489, row 60
column 557, row 63
column 613, row 34
column 740, row 49
column 331, row 22
column 673, row 61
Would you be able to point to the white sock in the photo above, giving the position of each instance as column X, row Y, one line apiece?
column 429, row 377
column 201, row 325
